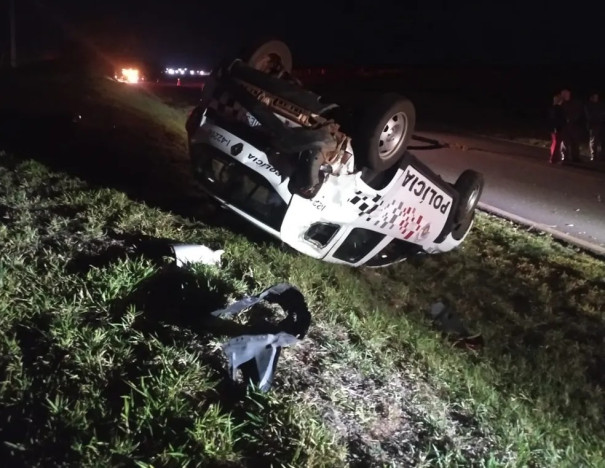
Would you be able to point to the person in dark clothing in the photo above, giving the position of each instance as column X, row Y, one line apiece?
column 595, row 120
column 572, row 130
column 556, row 119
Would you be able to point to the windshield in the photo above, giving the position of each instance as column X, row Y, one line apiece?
column 241, row 187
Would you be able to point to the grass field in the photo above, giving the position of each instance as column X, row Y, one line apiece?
column 104, row 359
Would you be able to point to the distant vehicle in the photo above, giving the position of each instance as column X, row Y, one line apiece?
column 273, row 152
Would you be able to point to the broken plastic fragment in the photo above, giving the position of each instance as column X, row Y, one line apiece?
column 248, row 301
column 447, row 320
column 262, row 349
column 256, row 355
column 192, row 253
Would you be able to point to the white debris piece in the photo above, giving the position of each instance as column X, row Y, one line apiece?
column 193, row 253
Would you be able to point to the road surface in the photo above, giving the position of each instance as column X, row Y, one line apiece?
column 567, row 201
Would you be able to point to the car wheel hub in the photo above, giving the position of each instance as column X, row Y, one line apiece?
column 392, row 135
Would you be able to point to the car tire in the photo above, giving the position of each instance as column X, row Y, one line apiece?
column 469, row 187
column 270, row 56
column 461, row 229
column 383, row 130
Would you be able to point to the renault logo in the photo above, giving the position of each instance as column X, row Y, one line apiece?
column 237, row 149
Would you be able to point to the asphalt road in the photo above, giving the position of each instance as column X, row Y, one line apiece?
column 567, row 201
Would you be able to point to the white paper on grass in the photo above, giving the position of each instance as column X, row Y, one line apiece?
column 193, row 253
column 261, row 348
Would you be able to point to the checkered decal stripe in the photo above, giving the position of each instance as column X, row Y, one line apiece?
column 410, row 224
column 227, row 106
column 365, row 203
column 394, row 215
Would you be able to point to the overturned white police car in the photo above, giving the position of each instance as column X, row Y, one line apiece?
column 333, row 183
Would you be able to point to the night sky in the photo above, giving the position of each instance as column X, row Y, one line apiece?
column 338, row 32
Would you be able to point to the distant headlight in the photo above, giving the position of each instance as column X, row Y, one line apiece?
column 321, row 234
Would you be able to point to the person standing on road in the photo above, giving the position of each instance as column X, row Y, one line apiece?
column 570, row 144
column 557, row 123
column 595, row 120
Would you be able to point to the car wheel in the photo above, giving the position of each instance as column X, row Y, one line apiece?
column 469, row 187
column 383, row 131
column 270, row 57
column 461, row 229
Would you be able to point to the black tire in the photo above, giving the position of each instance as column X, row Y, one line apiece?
column 270, row 57
column 374, row 142
column 469, row 187
column 461, row 229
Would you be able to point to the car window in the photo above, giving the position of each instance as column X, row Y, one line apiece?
column 243, row 188
column 321, row 234
column 358, row 244
column 394, row 251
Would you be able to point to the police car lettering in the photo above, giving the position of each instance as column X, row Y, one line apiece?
column 423, row 189
column 264, row 165
column 218, row 138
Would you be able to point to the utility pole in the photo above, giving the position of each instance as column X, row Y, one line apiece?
column 13, row 33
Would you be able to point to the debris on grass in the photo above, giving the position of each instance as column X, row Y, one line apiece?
column 450, row 323
column 186, row 254
column 104, row 360
column 257, row 355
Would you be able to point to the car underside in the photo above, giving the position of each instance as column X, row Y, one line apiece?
column 276, row 154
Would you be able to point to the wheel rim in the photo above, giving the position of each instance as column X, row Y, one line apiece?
column 472, row 199
column 392, row 135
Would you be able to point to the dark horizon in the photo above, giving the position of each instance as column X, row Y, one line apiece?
column 341, row 33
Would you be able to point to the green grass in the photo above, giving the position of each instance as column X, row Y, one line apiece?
column 105, row 359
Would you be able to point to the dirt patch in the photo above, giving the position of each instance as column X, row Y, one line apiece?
column 382, row 419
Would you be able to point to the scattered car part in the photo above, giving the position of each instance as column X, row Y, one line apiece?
column 447, row 319
column 262, row 349
column 256, row 355
column 449, row 323
column 185, row 254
